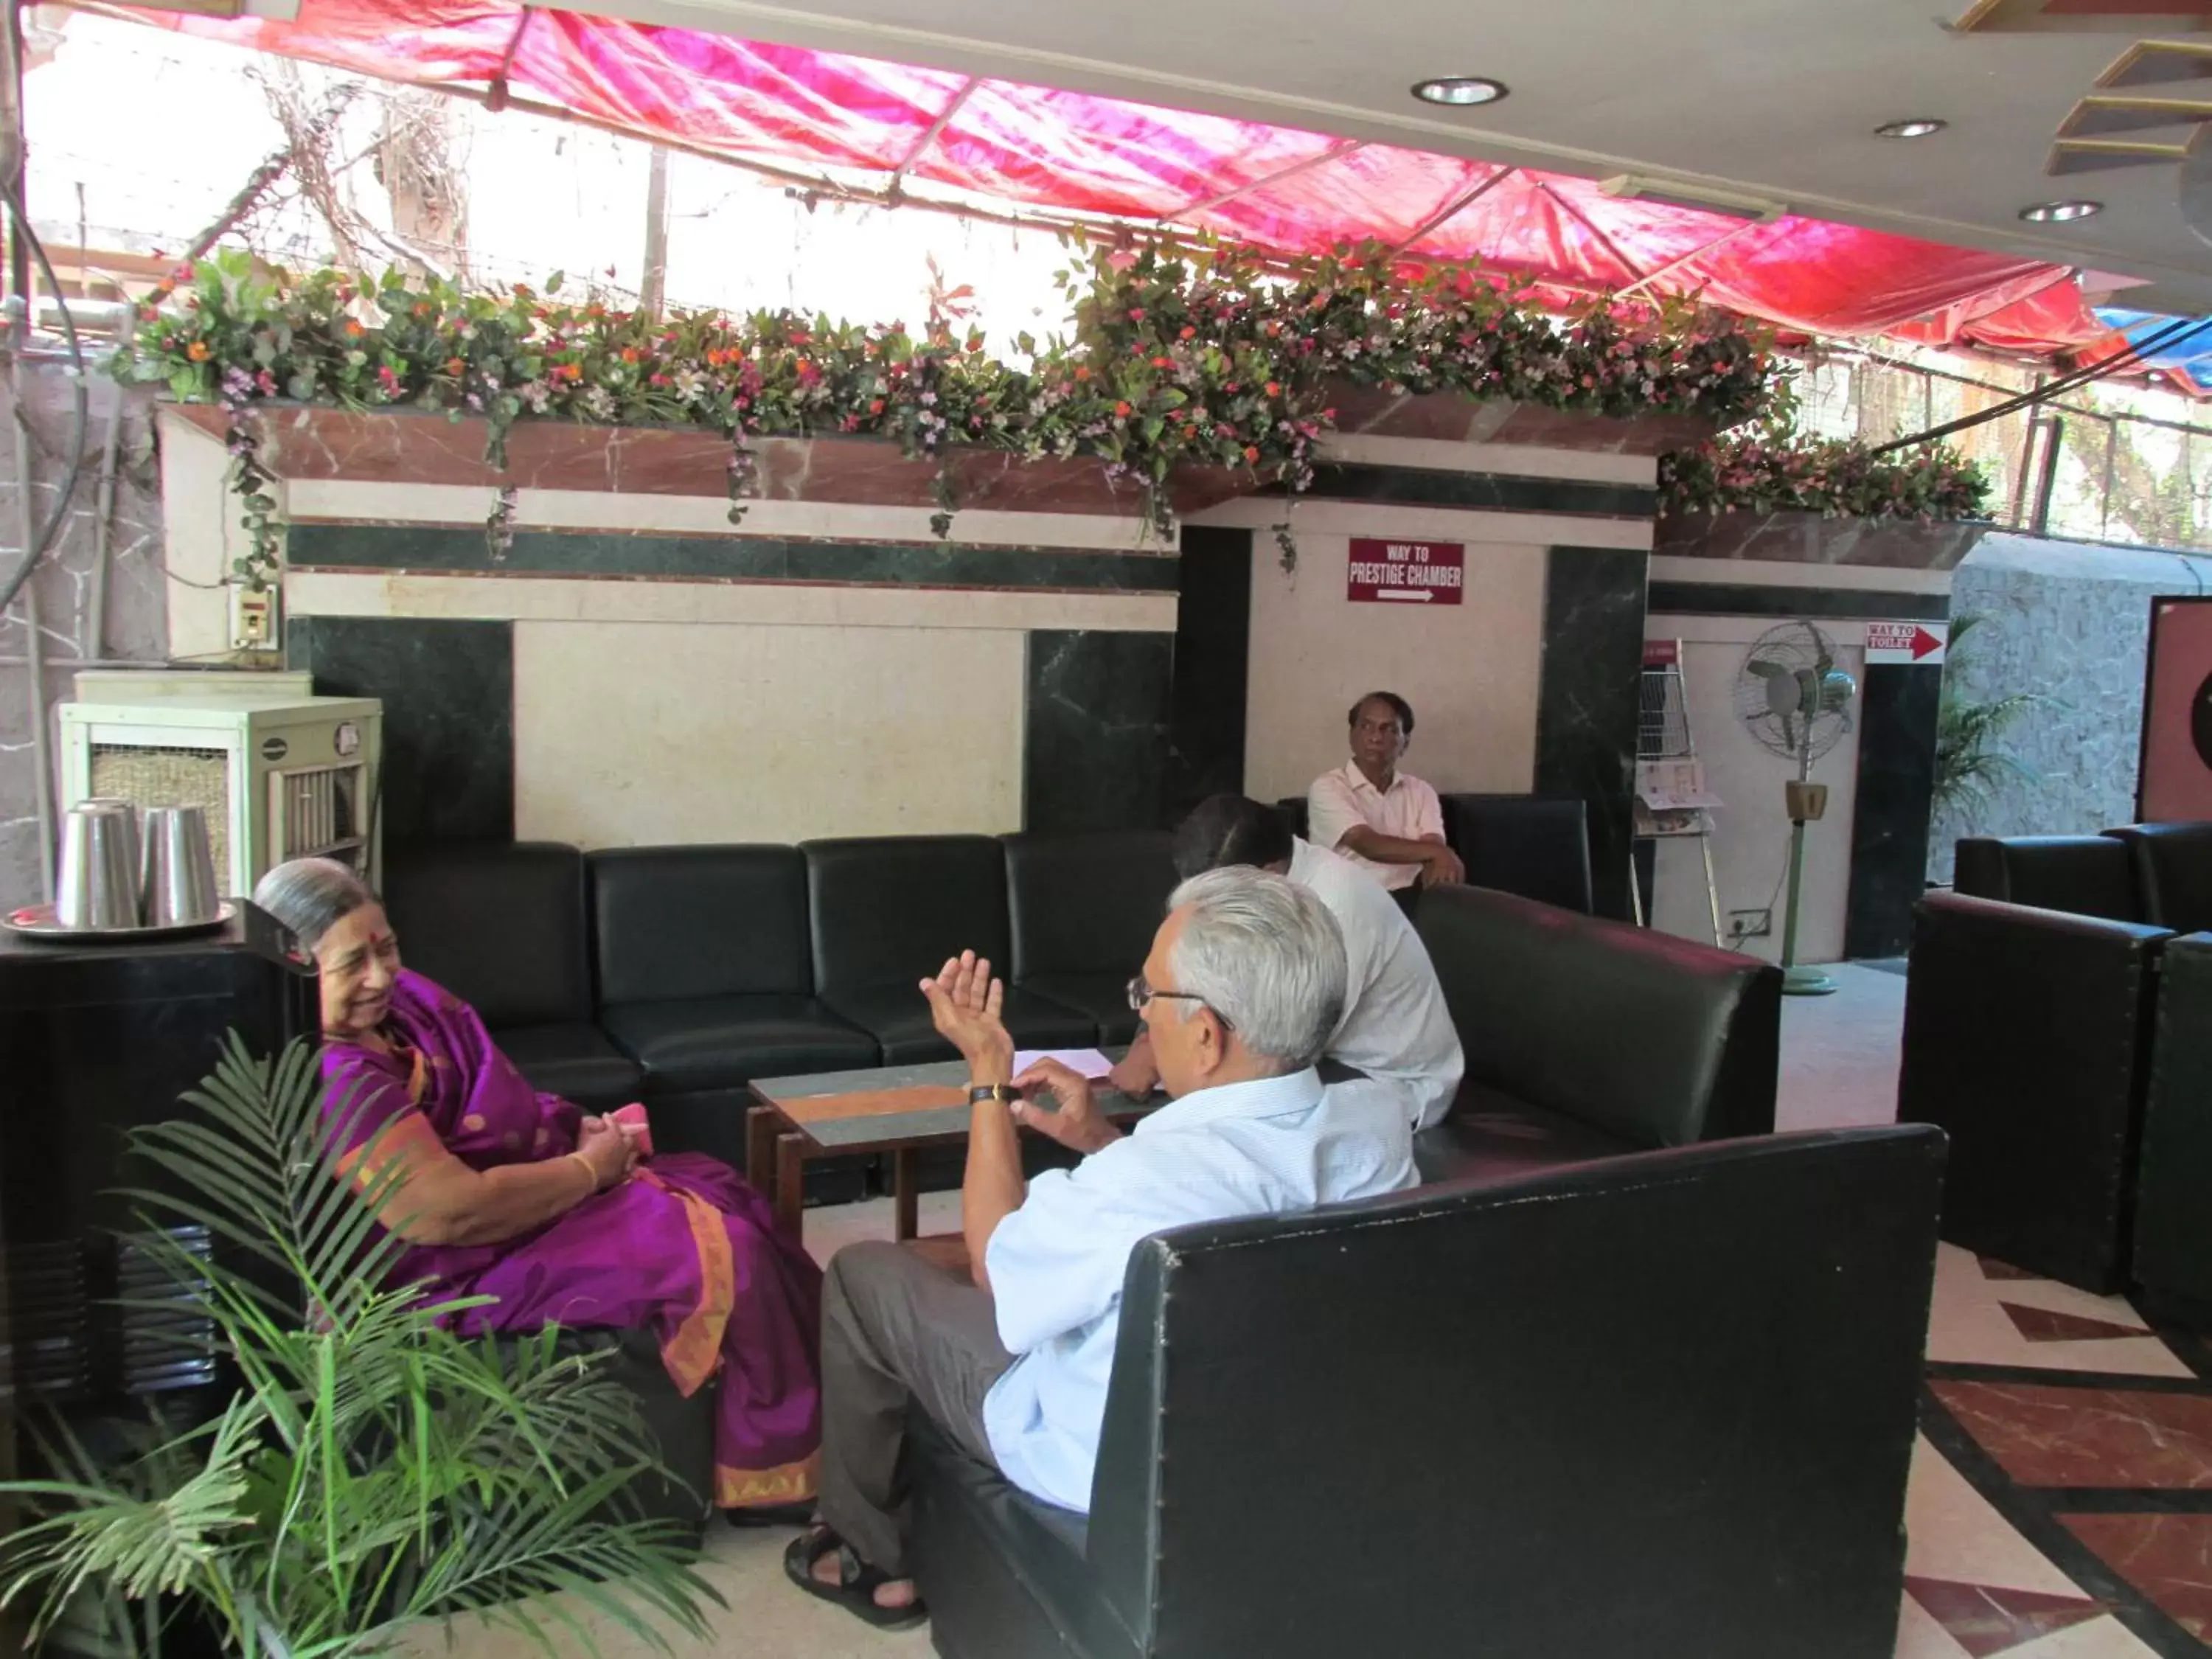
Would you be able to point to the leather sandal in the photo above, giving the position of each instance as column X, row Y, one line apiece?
column 857, row 1582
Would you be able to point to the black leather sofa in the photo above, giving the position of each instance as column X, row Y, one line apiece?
column 504, row 928
column 677, row 974
column 1652, row 1407
column 2160, row 873
column 692, row 970
column 706, row 976
column 1586, row 1037
column 1535, row 846
column 2084, row 875
column 888, row 911
column 2028, row 1039
column 1084, row 910
column 2172, row 1239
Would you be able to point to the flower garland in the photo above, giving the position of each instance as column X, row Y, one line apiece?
column 1179, row 358
column 1770, row 470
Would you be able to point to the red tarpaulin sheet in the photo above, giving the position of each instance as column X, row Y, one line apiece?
column 1274, row 188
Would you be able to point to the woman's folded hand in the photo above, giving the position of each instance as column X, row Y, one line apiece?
column 612, row 1153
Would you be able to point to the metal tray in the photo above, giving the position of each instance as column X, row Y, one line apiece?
column 37, row 922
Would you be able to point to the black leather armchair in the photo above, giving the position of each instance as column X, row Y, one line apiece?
column 2173, row 1218
column 2027, row 1039
column 705, row 976
column 2172, row 864
column 502, row 927
column 1084, row 910
column 1524, row 844
column 1622, row 1434
column 887, row 911
column 2083, row 875
column 1586, row 1037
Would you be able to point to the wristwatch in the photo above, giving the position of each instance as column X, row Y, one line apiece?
column 1005, row 1094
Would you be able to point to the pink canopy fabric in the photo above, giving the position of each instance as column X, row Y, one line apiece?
column 1092, row 157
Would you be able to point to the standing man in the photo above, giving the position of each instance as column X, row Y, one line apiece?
column 1388, row 822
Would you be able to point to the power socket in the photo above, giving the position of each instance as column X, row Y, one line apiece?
column 252, row 618
column 1750, row 923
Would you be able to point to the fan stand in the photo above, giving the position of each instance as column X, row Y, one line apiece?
column 1807, row 802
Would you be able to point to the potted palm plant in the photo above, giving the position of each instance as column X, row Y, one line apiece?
column 372, row 1471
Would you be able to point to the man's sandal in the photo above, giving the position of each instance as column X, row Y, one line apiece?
column 857, row 1582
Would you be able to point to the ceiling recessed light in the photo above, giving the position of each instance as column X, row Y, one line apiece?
column 2060, row 213
column 1459, row 91
column 1919, row 127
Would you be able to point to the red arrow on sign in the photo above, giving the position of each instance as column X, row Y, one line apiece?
column 1924, row 643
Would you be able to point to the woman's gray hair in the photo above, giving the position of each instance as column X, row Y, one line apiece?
column 312, row 896
column 1266, row 956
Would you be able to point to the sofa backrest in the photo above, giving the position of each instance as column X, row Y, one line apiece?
column 1662, row 1404
column 2173, row 873
column 673, row 922
column 2082, row 875
column 1653, row 1039
column 885, row 910
column 499, row 924
column 1533, row 845
column 1087, row 904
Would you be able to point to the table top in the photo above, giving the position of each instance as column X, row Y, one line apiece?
column 885, row 1105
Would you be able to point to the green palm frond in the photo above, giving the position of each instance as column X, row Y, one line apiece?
column 375, row 1469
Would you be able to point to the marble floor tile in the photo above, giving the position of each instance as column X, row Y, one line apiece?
column 2054, row 1435
column 1985, row 1620
column 1954, row 1534
column 1840, row 1053
column 2167, row 1557
column 2010, row 1320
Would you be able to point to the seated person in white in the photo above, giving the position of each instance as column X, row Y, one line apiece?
column 1395, row 1028
column 1387, row 821
column 1243, row 985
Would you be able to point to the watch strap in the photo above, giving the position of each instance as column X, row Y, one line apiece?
column 1005, row 1094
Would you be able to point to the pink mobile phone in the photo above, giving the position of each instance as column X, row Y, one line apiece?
column 632, row 1117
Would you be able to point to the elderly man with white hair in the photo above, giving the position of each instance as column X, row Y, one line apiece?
column 1243, row 986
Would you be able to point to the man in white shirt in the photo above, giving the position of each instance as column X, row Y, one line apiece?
column 1245, row 980
column 1389, row 823
column 1395, row 1028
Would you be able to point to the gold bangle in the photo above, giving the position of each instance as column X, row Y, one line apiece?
column 590, row 1173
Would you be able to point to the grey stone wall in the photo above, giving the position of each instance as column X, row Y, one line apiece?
column 134, row 626
column 2070, row 621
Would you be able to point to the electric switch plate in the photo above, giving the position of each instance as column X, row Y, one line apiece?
column 253, row 619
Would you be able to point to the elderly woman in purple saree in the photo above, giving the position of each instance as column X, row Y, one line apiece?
column 520, row 1195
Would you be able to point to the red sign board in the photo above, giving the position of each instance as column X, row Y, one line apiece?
column 1405, row 573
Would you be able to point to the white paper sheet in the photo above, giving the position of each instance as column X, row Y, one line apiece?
column 1088, row 1062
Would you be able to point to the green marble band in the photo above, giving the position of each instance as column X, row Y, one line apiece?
column 429, row 549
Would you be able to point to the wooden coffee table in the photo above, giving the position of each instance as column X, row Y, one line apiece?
column 899, row 1109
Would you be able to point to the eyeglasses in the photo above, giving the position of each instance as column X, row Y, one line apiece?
column 1140, row 994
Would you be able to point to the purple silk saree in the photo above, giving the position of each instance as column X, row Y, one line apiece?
column 683, row 1247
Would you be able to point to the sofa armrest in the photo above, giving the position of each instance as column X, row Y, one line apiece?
column 1656, row 1040
column 2026, row 1035
column 2173, row 1222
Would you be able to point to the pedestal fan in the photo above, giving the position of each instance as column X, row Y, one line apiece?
column 1796, row 702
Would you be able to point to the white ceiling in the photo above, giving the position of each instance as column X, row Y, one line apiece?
column 1776, row 97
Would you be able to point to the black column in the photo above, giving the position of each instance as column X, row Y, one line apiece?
column 1897, row 704
column 1587, row 702
column 1212, row 659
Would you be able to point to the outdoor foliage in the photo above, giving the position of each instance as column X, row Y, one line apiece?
column 374, row 1470
column 1176, row 357
column 1969, row 764
column 1770, row 471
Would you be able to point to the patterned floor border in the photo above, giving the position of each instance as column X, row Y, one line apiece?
column 2037, row 1513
